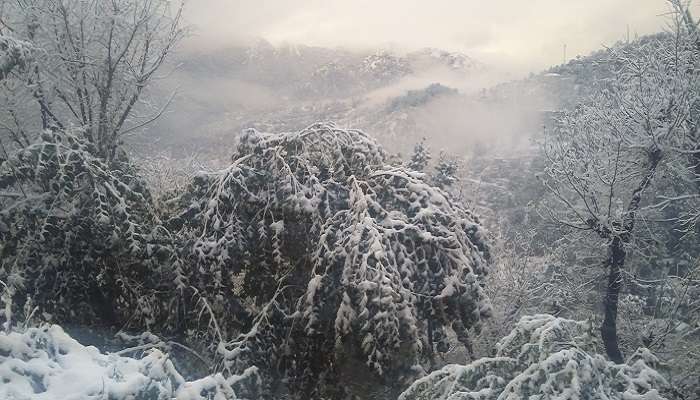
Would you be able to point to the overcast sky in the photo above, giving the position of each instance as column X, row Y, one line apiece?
column 519, row 35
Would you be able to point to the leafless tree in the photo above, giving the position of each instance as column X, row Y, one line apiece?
column 605, row 156
column 93, row 62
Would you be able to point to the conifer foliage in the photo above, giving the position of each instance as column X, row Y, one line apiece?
column 446, row 171
column 420, row 157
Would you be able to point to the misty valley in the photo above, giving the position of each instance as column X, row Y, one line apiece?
column 193, row 209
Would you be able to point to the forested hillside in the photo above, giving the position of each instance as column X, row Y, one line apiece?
column 300, row 222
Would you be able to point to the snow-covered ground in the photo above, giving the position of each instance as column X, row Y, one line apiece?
column 47, row 364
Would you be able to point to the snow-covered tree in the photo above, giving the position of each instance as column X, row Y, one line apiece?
column 605, row 156
column 384, row 67
column 78, row 232
column 345, row 258
column 13, row 54
column 420, row 157
column 78, row 236
column 92, row 63
column 549, row 358
column 446, row 170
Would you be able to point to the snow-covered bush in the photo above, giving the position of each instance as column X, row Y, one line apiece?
column 549, row 358
column 78, row 235
column 46, row 363
column 340, row 256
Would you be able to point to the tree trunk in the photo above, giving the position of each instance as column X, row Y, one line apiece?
column 695, row 157
column 608, row 330
column 431, row 345
column 616, row 259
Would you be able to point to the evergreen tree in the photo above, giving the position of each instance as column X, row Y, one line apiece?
column 446, row 170
column 420, row 157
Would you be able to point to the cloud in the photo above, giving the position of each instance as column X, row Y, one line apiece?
column 519, row 34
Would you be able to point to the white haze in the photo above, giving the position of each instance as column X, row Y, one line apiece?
column 510, row 38
column 521, row 36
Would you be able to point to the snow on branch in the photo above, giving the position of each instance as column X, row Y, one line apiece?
column 336, row 249
column 69, row 222
column 13, row 53
column 548, row 357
